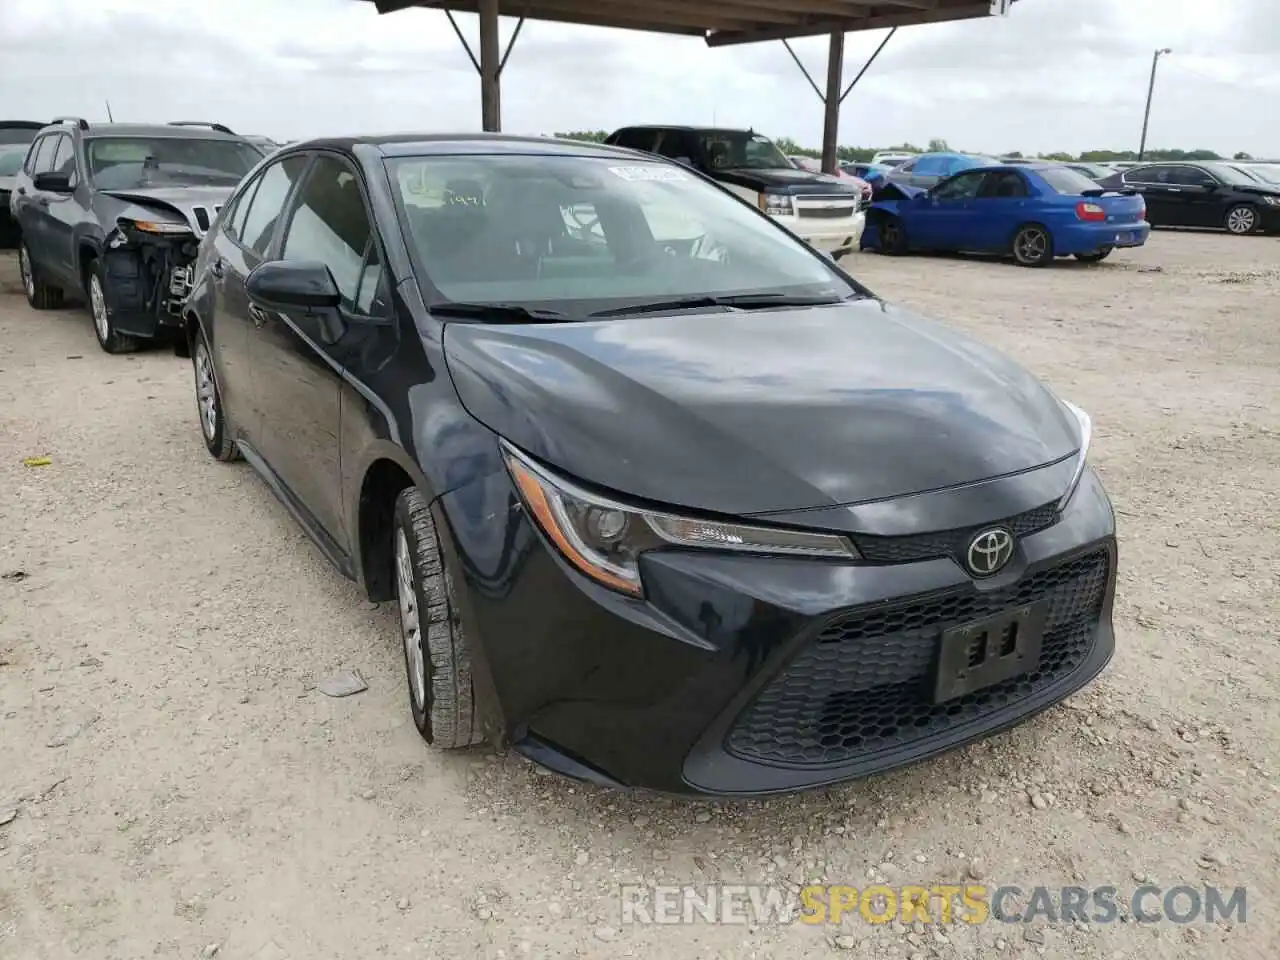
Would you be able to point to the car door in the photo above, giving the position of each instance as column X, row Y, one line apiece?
column 241, row 243
column 1163, row 207
column 1000, row 207
column 1202, row 195
column 939, row 220
column 297, row 372
column 63, row 211
column 32, row 206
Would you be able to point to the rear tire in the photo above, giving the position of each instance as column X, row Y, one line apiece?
column 1032, row 246
column 41, row 295
column 436, row 654
column 1241, row 219
column 110, row 339
column 893, row 237
column 1093, row 257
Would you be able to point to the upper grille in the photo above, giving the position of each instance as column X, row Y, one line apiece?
column 864, row 685
column 948, row 543
column 829, row 213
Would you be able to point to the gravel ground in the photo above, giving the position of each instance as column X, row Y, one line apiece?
column 179, row 789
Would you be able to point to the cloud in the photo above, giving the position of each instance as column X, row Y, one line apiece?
column 1055, row 74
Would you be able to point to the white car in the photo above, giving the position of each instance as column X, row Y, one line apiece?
column 892, row 158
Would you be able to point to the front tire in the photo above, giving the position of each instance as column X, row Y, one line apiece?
column 40, row 295
column 110, row 339
column 1094, row 257
column 1241, row 219
column 893, row 237
column 436, row 654
column 213, row 421
column 1032, row 246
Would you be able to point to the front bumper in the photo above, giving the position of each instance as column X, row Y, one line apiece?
column 1269, row 217
column 835, row 236
column 741, row 675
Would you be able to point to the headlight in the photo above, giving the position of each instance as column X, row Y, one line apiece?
column 604, row 539
column 153, row 226
column 1272, row 201
column 775, row 204
column 1086, row 436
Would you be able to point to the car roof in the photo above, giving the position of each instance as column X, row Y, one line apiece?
column 463, row 144
column 144, row 130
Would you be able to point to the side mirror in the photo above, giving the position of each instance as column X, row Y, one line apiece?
column 52, row 182
column 299, row 285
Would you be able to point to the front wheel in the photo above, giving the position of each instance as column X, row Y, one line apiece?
column 213, row 422
column 437, row 657
column 1093, row 257
column 893, row 237
column 109, row 338
column 1242, row 219
column 1032, row 246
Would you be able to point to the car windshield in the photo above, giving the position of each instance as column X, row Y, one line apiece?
column 575, row 235
column 738, row 149
column 125, row 163
column 1269, row 172
column 1067, row 181
column 1229, row 174
column 11, row 157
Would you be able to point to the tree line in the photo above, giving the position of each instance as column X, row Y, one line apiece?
column 938, row 145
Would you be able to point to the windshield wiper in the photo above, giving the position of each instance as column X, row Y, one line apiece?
column 739, row 301
column 497, row 311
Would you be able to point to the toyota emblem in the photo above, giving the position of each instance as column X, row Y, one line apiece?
column 989, row 551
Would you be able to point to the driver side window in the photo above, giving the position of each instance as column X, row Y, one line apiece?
column 963, row 187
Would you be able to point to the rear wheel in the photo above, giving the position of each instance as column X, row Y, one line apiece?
column 1242, row 219
column 893, row 237
column 437, row 657
column 1093, row 257
column 109, row 338
column 1032, row 246
column 40, row 295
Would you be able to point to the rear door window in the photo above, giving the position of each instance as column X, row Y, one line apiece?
column 1151, row 174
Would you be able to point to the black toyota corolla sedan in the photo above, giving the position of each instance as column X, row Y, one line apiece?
column 664, row 497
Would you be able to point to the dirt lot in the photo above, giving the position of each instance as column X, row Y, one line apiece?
column 181, row 790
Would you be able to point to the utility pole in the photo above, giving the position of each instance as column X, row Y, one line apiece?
column 1151, row 86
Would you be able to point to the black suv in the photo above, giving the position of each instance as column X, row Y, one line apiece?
column 1202, row 195
column 665, row 498
column 15, row 139
column 115, row 211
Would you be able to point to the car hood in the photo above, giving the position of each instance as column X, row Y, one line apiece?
column 762, row 411
column 196, row 206
column 784, row 179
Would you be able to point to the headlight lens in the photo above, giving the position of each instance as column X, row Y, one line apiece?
column 1082, row 458
column 603, row 538
column 776, row 204
column 1273, row 201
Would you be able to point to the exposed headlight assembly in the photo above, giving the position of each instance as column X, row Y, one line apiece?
column 1082, row 458
column 775, row 204
column 603, row 538
column 154, row 226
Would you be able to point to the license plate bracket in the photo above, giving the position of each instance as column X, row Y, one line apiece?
column 984, row 652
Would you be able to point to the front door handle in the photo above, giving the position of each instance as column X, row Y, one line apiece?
column 216, row 268
column 257, row 315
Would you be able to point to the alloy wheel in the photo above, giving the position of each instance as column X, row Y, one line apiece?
column 410, row 624
column 1242, row 220
column 98, row 305
column 1031, row 245
column 206, row 392
column 28, row 277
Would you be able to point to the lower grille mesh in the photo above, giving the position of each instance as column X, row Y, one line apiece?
column 864, row 684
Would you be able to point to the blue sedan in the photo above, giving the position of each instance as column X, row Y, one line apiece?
column 1032, row 212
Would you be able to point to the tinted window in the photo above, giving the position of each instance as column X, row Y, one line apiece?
column 963, row 187
column 1066, row 181
column 1153, row 174
column 574, row 233
column 268, row 202
column 636, row 138
column 730, row 149
column 1190, row 176
column 1005, row 185
column 676, row 144
column 330, row 224
column 43, row 154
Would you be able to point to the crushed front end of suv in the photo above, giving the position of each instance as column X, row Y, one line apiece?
column 115, row 213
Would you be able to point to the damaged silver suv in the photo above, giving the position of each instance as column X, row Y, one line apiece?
column 116, row 211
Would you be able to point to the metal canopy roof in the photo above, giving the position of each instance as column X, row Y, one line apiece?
column 725, row 22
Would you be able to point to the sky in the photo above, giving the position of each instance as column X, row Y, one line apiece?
column 1054, row 75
